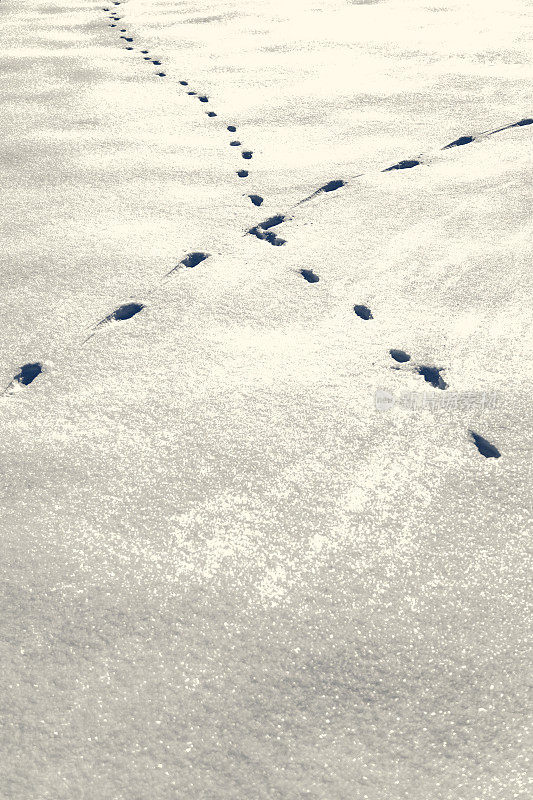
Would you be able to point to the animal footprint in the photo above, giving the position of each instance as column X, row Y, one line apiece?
column 232, row 128
column 309, row 275
column 460, row 141
column 331, row 186
column 409, row 164
column 485, row 447
column 234, row 144
column 27, row 374
column 363, row 312
column 203, row 99
column 242, row 173
column 400, row 356
column 262, row 231
column 432, row 375
column 190, row 260
column 256, row 199
column 122, row 313
column 247, row 154
column 211, row 114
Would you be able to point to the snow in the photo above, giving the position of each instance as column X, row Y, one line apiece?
column 228, row 572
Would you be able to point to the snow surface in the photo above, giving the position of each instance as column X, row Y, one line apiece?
column 228, row 572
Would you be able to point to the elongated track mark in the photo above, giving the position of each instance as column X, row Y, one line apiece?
column 26, row 375
column 191, row 260
column 309, row 275
column 484, row 446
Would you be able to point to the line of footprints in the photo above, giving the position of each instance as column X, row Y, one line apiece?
column 263, row 231
column 203, row 98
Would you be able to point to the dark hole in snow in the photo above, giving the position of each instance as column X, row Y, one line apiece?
column 402, row 165
column 273, row 239
column 363, row 312
column 523, row 122
column 161, row 74
column 485, row 448
column 127, row 38
column 267, row 236
column 247, row 154
column 211, row 114
column 432, row 375
column 157, row 63
column 145, row 51
column 126, row 311
column 28, row 373
column 400, row 355
column 256, row 199
column 232, row 128
column 193, row 259
column 460, row 141
column 203, row 99
column 191, row 93
column 332, row 186
column 128, row 48
column 147, row 58
column 309, row 275
column 184, row 83
column 271, row 222
column 242, row 173
column 235, row 143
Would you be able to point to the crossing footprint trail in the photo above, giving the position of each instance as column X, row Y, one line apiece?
column 28, row 373
column 430, row 374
